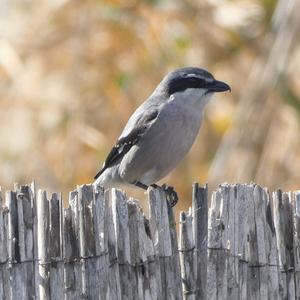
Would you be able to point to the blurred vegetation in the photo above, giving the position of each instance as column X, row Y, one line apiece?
column 71, row 73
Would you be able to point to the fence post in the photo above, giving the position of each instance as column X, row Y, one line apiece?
column 186, row 248
column 120, row 219
column 43, row 245
column 246, row 247
column 296, row 249
column 55, row 247
column 200, row 221
column 4, row 274
column 283, row 219
column 162, row 227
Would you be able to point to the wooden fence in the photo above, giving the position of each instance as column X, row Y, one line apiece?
column 245, row 246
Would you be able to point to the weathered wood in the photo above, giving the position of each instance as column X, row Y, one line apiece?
column 296, row 206
column 72, row 215
column 26, row 239
column 175, row 255
column 260, row 261
column 245, row 247
column 16, row 289
column 86, row 232
column 120, row 218
column 241, row 245
column 72, row 282
column 4, row 274
column 161, row 227
column 13, row 243
column 142, row 253
column 33, row 193
column 217, row 257
column 214, row 245
column 3, row 233
column 186, row 248
column 55, row 250
column 43, row 245
column 283, row 219
column 251, row 255
column 200, row 220
column 114, row 288
column 100, row 213
column 87, row 242
column 135, row 257
column 54, row 225
column 25, row 217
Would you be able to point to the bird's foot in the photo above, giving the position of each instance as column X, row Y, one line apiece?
column 172, row 197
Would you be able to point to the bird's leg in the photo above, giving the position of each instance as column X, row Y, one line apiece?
column 140, row 185
column 172, row 196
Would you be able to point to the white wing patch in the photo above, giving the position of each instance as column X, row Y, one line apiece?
column 192, row 75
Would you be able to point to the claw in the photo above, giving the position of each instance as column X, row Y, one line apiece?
column 172, row 196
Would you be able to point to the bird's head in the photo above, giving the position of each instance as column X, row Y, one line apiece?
column 192, row 81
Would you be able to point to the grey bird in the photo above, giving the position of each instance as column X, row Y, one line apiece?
column 161, row 131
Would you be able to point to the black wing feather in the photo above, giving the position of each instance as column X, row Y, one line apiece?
column 124, row 144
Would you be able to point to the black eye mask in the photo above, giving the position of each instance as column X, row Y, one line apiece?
column 181, row 84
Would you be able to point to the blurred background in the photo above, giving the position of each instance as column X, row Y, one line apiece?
column 72, row 72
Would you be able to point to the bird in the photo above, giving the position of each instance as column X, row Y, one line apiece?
column 160, row 132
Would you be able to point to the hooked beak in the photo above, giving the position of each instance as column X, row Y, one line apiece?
column 218, row 86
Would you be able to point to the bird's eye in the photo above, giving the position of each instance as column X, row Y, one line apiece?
column 197, row 82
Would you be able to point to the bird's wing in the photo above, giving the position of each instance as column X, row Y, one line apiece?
column 136, row 127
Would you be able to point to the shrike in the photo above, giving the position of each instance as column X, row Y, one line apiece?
column 161, row 131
